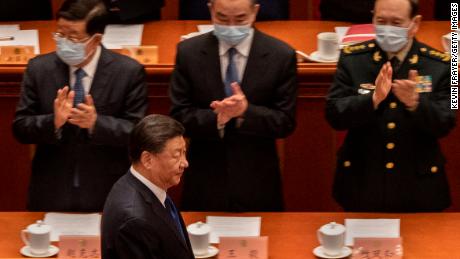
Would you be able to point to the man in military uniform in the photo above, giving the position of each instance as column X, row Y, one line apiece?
column 392, row 94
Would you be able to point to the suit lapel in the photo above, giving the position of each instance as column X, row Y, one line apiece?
column 257, row 60
column 211, row 63
column 166, row 217
column 184, row 229
column 158, row 208
column 102, row 75
column 61, row 74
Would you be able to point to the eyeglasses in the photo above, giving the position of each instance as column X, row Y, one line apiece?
column 58, row 35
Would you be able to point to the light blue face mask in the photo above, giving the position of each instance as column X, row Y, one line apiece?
column 391, row 38
column 70, row 52
column 231, row 34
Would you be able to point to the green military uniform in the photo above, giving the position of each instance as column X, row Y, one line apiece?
column 390, row 160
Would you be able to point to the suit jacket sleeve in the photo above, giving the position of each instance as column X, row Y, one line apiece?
column 135, row 240
column 29, row 125
column 433, row 114
column 199, row 122
column 277, row 119
column 344, row 108
column 115, row 130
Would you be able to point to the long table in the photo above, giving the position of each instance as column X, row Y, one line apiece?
column 293, row 235
column 307, row 156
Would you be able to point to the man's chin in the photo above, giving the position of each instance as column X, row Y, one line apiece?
column 177, row 178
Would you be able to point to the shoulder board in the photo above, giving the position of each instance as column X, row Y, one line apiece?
column 434, row 54
column 358, row 48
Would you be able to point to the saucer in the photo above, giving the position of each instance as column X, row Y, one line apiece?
column 51, row 251
column 212, row 251
column 314, row 56
column 319, row 252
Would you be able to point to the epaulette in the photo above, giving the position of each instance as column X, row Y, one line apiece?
column 358, row 48
column 434, row 54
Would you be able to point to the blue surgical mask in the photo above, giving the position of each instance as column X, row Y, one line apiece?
column 231, row 34
column 69, row 52
column 391, row 38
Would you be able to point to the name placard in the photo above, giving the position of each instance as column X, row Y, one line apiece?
column 146, row 55
column 243, row 247
column 16, row 54
column 383, row 248
column 79, row 246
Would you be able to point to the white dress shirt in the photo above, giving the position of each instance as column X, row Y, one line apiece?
column 159, row 193
column 90, row 70
column 240, row 58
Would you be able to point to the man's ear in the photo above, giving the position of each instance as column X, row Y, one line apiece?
column 416, row 24
column 255, row 9
column 97, row 38
column 210, row 7
column 146, row 159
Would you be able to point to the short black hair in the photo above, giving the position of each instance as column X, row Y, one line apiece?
column 413, row 7
column 93, row 12
column 253, row 2
column 152, row 133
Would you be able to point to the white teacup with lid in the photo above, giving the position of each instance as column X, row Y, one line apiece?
column 446, row 42
column 328, row 45
column 199, row 237
column 331, row 237
column 37, row 237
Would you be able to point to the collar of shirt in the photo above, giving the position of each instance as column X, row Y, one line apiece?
column 90, row 68
column 159, row 193
column 243, row 47
column 401, row 55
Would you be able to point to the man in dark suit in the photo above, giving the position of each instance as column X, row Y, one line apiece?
column 81, row 132
column 134, row 11
column 234, row 90
column 139, row 220
column 392, row 94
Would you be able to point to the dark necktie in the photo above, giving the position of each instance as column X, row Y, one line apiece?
column 78, row 87
column 395, row 63
column 174, row 215
column 231, row 74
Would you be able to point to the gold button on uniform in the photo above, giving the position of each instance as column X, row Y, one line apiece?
column 390, row 145
column 434, row 169
column 390, row 165
column 391, row 125
column 347, row 164
column 393, row 105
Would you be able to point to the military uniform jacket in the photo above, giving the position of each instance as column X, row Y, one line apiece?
column 390, row 160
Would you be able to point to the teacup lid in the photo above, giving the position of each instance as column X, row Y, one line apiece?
column 199, row 228
column 39, row 228
column 332, row 229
